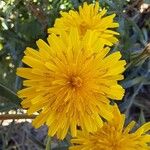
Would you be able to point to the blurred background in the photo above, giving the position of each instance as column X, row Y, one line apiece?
column 22, row 22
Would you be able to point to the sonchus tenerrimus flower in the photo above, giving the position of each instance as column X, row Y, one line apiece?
column 69, row 82
column 89, row 17
column 114, row 135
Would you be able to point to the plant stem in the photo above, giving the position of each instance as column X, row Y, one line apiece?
column 48, row 144
column 16, row 116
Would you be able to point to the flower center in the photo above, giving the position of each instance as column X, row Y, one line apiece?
column 83, row 28
column 76, row 81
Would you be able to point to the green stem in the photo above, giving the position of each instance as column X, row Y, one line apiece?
column 48, row 144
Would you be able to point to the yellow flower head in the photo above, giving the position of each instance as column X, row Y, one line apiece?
column 89, row 17
column 114, row 136
column 69, row 81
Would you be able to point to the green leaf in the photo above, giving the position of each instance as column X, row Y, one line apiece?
column 142, row 117
column 11, row 100
column 5, row 107
column 132, row 82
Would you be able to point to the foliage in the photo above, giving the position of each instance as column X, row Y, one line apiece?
column 24, row 22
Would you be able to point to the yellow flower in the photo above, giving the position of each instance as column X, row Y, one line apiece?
column 89, row 17
column 69, row 82
column 114, row 136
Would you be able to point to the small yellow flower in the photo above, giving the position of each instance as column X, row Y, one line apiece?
column 114, row 136
column 89, row 17
column 69, row 82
